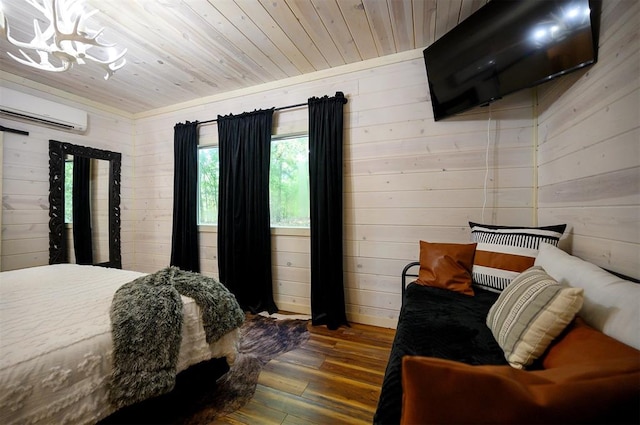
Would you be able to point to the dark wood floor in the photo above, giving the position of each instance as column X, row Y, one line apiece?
column 334, row 378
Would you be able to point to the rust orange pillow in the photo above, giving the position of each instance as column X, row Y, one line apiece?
column 582, row 344
column 447, row 266
column 435, row 389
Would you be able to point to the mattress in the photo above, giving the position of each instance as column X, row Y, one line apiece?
column 56, row 347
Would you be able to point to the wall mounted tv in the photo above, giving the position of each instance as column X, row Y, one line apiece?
column 507, row 46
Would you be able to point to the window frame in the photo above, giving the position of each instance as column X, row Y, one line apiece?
column 275, row 230
column 200, row 224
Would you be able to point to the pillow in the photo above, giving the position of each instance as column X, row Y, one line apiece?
column 530, row 313
column 505, row 251
column 466, row 394
column 611, row 304
column 582, row 344
column 447, row 266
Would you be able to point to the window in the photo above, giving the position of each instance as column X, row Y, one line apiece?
column 288, row 182
column 208, row 171
column 68, row 190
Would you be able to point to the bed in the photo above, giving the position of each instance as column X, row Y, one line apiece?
column 56, row 345
column 438, row 323
column 446, row 366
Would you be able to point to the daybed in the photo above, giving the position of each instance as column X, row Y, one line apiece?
column 454, row 359
column 57, row 346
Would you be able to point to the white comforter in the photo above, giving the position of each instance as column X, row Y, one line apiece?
column 56, row 347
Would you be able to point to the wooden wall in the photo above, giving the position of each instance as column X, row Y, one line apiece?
column 25, row 178
column 406, row 178
column 570, row 157
column 589, row 148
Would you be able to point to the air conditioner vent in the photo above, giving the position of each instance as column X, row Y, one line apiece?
column 32, row 118
column 21, row 106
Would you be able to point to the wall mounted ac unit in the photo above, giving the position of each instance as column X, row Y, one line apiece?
column 14, row 104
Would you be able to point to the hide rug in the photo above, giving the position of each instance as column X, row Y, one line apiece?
column 212, row 389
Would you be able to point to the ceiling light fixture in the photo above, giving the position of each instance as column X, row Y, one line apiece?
column 65, row 41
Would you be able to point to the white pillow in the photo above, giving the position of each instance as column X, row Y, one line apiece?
column 611, row 304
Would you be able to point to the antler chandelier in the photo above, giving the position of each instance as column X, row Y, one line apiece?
column 65, row 41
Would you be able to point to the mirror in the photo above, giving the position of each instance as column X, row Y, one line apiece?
column 97, row 214
column 103, row 182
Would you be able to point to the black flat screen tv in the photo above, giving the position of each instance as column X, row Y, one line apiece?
column 506, row 46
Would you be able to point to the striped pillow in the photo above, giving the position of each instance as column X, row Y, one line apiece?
column 530, row 313
column 505, row 251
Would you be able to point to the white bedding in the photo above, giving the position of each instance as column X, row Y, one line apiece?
column 56, row 347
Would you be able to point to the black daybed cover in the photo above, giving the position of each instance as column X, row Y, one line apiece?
column 439, row 323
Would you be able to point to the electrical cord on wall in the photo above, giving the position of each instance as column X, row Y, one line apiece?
column 486, row 163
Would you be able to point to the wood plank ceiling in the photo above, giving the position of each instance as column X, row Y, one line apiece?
column 180, row 50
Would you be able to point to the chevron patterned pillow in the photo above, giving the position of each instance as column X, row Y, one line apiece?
column 505, row 251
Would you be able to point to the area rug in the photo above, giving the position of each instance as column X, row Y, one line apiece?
column 211, row 389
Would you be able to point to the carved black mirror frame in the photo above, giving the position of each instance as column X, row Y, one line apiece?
column 58, row 247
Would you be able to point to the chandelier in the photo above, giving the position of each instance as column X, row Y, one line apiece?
column 65, row 41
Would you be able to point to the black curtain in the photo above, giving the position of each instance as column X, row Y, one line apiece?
column 325, row 184
column 184, row 240
column 82, row 238
column 244, row 235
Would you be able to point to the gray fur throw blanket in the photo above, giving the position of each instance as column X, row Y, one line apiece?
column 146, row 327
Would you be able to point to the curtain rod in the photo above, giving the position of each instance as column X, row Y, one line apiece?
column 275, row 109
column 13, row 130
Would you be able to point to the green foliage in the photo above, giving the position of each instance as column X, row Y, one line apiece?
column 289, row 182
column 68, row 191
column 209, row 170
